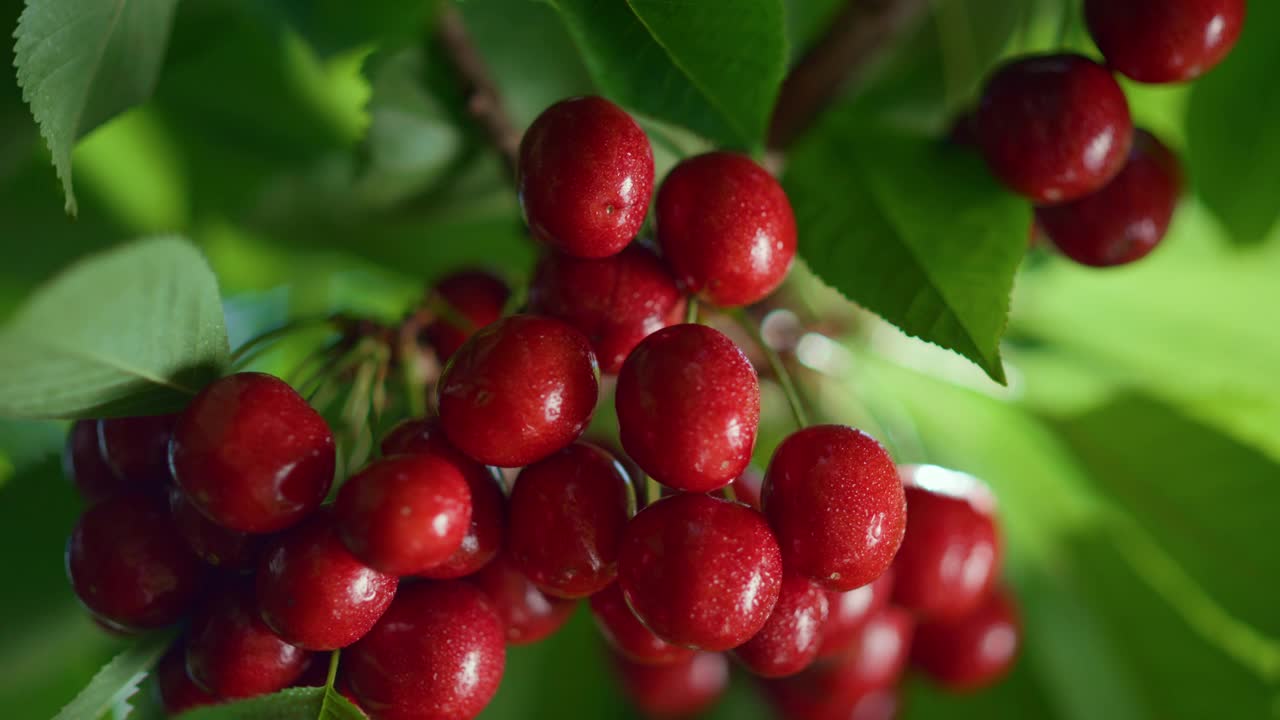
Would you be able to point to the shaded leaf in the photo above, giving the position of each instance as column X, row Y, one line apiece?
column 118, row 680
column 310, row 703
column 335, row 25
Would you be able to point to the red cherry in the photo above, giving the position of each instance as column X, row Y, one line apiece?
column 567, row 517
column 314, row 593
column 833, row 496
column 1164, row 41
column 231, row 653
column 1054, row 127
column 475, row 298
column 850, row 611
column 251, row 454
column 437, row 654
column 82, row 463
column 585, row 177
column 174, row 688
column 789, row 640
column 615, row 301
column 747, row 487
column 681, row 689
column 1127, row 218
column 519, row 390
column 726, row 228
column 973, row 651
column 796, row 701
column 688, row 403
column 404, row 514
column 627, row 635
column 528, row 614
column 216, row 545
column 137, row 448
column 700, row 571
column 129, row 565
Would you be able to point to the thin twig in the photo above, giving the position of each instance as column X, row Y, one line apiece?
column 780, row 371
column 484, row 100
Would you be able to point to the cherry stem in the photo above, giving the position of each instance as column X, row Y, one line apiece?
column 779, row 368
column 483, row 99
column 653, row 490
column 245, row 352
column 691, row 310
column 333, row 669
column 1065, row 24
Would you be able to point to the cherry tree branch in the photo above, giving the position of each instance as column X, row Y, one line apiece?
column 483, row 98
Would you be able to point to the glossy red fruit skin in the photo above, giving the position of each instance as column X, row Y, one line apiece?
column 519, row 390
column 789, row 640
column 700, row 571
column 747, row 487
column 726, row 228
column 474, row 295
column 1126, row 219
column 567, row 515
column 251, row 454
column 585, row 177
column 82, row 463
column 794, row 700
column 688, row 404
column 437, row 654
column 404, row 514
column 129, row 566
column 231, row 653
column 1164, row 41
column 681, row 689
column 615, row 301
column 974, row 651
column 222, row 548
column 833, row 497
column 850, row 611
column 528, row 614
column 627, row 635
column 1053, row 127
column 137, row 448
column 175, row 690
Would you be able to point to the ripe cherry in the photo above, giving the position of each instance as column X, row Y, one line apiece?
column 567, row 517
column 615, row 301
column 437, row 654
column 627, row 635
column 129, row 565
column 1054, row 127
column 474, row 299
column 137, row 448
column 789, row 640
column 519, row 390
column 688, row 403
column 683, row 689
column 585, row 177
column 82, row 463
column 850, row 611
column 528, row 614
column 251, row 454
column 747, row 487
column 314, row 593
column 795, row 699
column 726, row 228
column 213, row 543
column 833, row 497
column 699, row 571
column 1127, row 218
column 231, row 653
column 973, row 651
column 175, row 690
column 1164, row 41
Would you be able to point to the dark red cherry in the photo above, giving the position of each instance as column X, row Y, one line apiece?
column 683, row 689
column 82, row 463
column 585, row 177
column 528, row 614
column 473, row 299
column 519, row 390
column 850, row 611
column 314, row 593
column 174, row 688
column 137, row 448
column 789, row 640
column 567, row 516
column 251, row 454
column 437, row 654
column 213, row 543
column 627, row 635
column 747, row 487
column 688, row 403
column 726, row 228
column 700, row 571
column 1054, row 127
column 1127, row 218
column 615, row 301
column 1164, row 41
column 129, row 565
column 795, row 698
column 231, row 653
column 973, row 651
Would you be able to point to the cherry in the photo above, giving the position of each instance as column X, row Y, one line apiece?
column 82, row 462
column 519, row 390
column 175, row 690
column 475, row 298
column 251, row 454
column 850, row 611
column 747, row 487
column 699, row 571
column 137, row 448
column 129, row 565
column 314, row 593
column 681, row 689
column 585, row 177
column 833, row 497
column 796, row 700
column 688, row 403
column 213, row 543
column 789, row 640
column 1164, row 41
column 726, row 228
column 404, row 514
column 615, row 301
column 437, row 654
column 1127, row 218
column 973, row 651
column 231, row 653
column 1054, row 127
column 567, row 517
column 528, row 614
column 627, row 635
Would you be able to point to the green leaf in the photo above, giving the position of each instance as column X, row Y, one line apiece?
column 714, row 66
column 133, row 330
column 912, row 230
column 118, row 680
column 335, row 25
column 312, row 703
column 82, row 62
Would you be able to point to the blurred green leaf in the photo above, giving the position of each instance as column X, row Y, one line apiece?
column 806, row 21
column 312, row 703
column 118, row 680
column 335, row 25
